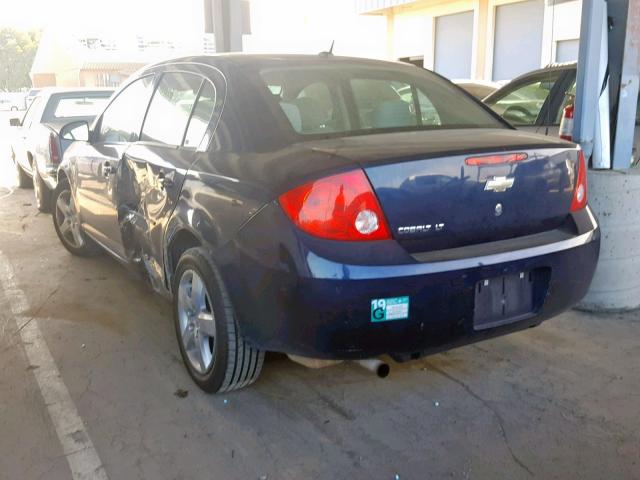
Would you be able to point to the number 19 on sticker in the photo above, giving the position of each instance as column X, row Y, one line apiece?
column 386, row 309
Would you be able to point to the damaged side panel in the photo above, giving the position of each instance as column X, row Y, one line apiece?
column 149, row 183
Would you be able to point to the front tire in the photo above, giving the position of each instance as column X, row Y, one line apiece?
column 41, row 191
column 23, row 180
column 216, row 355
column 67, row 223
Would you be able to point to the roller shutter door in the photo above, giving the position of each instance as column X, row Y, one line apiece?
column 454, row 37
column 518, row 38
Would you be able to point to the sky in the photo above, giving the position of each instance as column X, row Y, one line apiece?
column 282, row 26
column 127, row 16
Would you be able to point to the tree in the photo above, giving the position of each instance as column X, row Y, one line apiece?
column 17, row 50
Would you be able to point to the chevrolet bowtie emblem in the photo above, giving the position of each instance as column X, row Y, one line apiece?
column 499, row 184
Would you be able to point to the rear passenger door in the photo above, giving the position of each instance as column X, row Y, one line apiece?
column 175, row 131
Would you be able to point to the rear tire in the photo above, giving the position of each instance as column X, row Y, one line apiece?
column 41, row 191
column 67, row 223
column 216, row 355
column 24, row 180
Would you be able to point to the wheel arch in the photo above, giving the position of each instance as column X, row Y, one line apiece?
column 61, row 175
column 180, row 240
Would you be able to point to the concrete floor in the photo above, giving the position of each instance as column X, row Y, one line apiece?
column 556, row 402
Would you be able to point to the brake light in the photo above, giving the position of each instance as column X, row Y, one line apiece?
column 340, row 207
column 54, row 149
column 580, row 190
column 496, row 159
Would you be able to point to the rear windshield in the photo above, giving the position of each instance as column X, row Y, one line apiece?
column 87, row 106
column 334, row 100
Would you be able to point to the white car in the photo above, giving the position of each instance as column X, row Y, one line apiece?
column 36, row 148
column 11, row 103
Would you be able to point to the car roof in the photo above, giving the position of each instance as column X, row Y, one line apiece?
column 549, row 68
column 479, row 83
column 53, row 90
column 245, row 59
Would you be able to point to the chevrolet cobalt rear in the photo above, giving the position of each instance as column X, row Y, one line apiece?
column 328, row 208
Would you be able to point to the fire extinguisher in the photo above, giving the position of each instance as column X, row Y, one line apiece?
column 566, row 124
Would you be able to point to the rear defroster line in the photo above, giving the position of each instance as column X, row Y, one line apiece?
column 81, row 455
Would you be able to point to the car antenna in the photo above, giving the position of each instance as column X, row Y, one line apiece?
column 330, row 52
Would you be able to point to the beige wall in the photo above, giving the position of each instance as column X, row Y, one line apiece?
column 41, row 80
column 410, row 30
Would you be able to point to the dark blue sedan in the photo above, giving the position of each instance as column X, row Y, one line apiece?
column 329, row 208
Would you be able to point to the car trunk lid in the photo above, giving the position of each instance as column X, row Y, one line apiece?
column 435, row 196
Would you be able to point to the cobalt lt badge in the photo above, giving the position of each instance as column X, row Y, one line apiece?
column 498, row 210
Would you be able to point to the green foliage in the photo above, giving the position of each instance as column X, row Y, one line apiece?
column 17, row 50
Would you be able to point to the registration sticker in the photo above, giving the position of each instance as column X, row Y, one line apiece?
column 386, row 309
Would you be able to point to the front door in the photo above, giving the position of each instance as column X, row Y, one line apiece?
column 98, row 168
column 177, row 119
column 23, row 133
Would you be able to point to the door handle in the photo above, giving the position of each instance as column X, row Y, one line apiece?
column 106, row 169
column 164, row 181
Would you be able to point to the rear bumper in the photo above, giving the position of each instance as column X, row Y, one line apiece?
column 322, row 309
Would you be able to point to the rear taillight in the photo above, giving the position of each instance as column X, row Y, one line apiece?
column 340, row 207
column 54, row 149
column 580, row 190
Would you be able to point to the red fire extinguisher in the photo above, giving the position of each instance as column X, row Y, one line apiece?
column 566, row 124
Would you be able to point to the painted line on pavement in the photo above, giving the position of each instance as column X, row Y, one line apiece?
column 8, row 194
column 81, row 455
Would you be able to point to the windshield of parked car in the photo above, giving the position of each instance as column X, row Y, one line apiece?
column 87, row 106
column 338, row 100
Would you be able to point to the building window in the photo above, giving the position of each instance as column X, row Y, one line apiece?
column 567, row 50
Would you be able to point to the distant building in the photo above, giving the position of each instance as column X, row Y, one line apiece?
column 479, row 39
column 65, row 60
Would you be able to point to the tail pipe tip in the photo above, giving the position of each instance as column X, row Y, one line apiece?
column 380, row 368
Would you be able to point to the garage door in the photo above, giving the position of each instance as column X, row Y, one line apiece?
column 567, row 50
column 518, row 38
column 454, row 36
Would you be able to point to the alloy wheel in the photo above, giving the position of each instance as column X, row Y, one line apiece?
column 67, row 219
column 197, row 322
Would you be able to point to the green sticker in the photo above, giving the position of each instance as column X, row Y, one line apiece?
column 386, row 309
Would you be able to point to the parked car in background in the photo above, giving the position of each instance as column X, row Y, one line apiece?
column 12, row 101
column 7, row 105
column 302, row 204
column 535, row 101
column 477, row 88
column 36, row 147
column 31, row 94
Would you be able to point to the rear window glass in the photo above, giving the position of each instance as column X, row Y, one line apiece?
column 346, row 101
column 88, row 106
column 201, row 116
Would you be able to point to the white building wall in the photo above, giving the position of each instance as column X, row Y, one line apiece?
column 411, row 30
column 562, row 22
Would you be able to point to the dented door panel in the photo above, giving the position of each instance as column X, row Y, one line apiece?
column 150, row 183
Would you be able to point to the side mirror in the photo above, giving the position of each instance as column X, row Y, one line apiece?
column 75, row 131
column 15, row 122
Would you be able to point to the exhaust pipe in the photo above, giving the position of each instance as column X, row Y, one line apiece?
column 380, row 368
